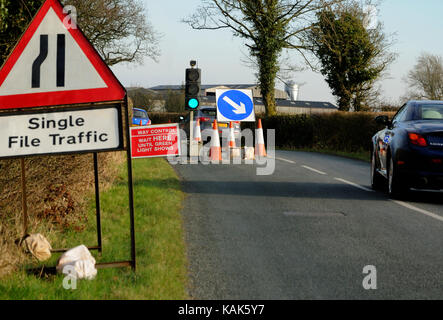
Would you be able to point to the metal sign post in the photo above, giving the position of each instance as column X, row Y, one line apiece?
column 97, row 204
column 191, row 134
column 130, row 186
column 193, row 146
column 24, row 198
column 191, row 126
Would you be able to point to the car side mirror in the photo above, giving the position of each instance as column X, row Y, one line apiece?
column 383, row 120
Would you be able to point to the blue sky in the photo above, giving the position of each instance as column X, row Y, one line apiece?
column 418, row 26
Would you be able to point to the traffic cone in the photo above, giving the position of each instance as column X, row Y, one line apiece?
column 260, row 150
column 231, row 135
column 234, row 152
column 215, row 154
column 197, row 132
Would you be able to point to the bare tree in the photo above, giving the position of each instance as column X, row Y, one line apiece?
column 118, row 29
column 425, row 80
column 268, row 26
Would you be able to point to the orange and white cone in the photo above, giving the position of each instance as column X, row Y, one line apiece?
column 234, row 152
column 215, row 154
column 231, row 135
column 260, row 149
column 197, row 132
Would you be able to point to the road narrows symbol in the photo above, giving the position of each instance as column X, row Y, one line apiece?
column 61, row 60
column 61, row 57
column 39, row 61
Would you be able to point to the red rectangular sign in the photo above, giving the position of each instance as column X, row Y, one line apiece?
column 155, row 141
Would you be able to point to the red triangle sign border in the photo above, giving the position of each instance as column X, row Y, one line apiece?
column 114, row 91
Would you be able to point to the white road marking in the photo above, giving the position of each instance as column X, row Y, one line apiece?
column 286, row 160
column 354, row 184
column 414, row 208
column 315, row 170
column 401, row 203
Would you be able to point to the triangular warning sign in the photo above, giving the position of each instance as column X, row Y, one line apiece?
column 54, row 64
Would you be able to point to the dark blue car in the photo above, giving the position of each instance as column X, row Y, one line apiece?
column 140, row 117
column 408, row 153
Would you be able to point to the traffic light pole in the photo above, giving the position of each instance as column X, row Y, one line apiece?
column 192, row 154
column 191, row 132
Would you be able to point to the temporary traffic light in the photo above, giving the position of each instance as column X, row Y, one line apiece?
column 192, row 88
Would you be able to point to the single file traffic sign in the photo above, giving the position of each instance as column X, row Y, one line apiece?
column 54, row 64
column 235, row 105
column 59, row 132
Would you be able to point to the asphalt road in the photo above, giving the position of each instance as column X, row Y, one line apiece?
column 307, row 232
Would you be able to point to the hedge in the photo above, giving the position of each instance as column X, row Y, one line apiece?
column 166, row 117
column 341, row 131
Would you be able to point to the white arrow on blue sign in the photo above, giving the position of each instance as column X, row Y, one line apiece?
column 235, row 105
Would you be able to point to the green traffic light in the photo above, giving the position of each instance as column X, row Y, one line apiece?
column 193, row 103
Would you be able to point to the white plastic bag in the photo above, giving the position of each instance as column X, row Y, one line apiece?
column 249, row 153
column 38, row 246
column 79, row 260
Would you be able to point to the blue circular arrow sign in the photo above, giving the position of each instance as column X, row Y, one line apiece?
column 235, row 105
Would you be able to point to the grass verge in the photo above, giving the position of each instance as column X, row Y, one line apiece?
column 161, row 258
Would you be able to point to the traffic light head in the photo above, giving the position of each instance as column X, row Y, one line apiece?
column 192, row 103
column 192, row 88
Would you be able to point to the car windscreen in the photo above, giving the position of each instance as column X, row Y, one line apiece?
column 430, row 112
column 140, row 114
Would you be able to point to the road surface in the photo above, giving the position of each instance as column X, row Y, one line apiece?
column 307, row 232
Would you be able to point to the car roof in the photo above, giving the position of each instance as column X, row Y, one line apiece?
column 138, row 109
column 427, row 102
